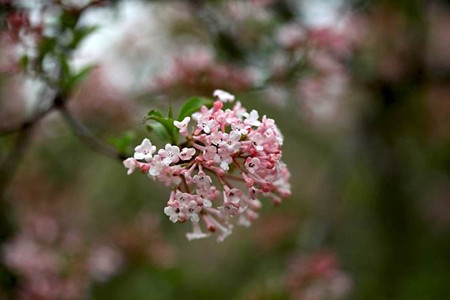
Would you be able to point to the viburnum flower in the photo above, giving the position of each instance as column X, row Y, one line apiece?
column 223, row 96
column 144, row 151
column 183, row 125
column 229, row 160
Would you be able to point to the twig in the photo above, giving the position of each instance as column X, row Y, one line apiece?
column 88, row 137
column 12, row 160
column 32, row 120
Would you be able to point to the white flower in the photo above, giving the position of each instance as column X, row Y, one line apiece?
column 230, row 142
column 131, row 164
column 207, row 124
column 172, row 213
column 202, row 181
column 207, row 203
column 252, row 164
column 192, row 211
column 187, row 153
column 170, row 154
column 223, row 96
column 196, row 233
column 182, row 125
column 156, row 166
column 144, row 150
column 252, row 118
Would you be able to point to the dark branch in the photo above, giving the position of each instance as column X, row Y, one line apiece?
column 88, row 137
column 11, row 162
column 28, row 123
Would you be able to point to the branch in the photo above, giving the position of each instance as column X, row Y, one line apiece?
column 88, row 137
column 28, row 123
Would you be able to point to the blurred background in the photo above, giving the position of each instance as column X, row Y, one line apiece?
column 359, row 88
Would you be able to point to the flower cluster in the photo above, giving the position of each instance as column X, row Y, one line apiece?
column 230, row 158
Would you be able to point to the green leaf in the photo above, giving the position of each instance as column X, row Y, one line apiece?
column 68, row 19
column 167, row 123
column 159, row 130
column 24, row 60
column 46, row 46
column 76, row 78
column 192, row 105
column 170, row 113
column 79, row 34
column 154, row 113
column 124, row 143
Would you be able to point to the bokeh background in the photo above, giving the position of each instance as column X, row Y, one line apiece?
column 359, row 88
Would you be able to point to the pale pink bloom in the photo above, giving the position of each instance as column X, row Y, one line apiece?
column 183, row 125
column 144, row 151
column 234, row 196
column 156, row 166
column 196, row 233
column 172, row 213
column 223, row 158
column 231, row 141
column 252, row 118
column 250, row 152
column 187, row 153
column 207, row 124
column 223, row 96
column 252, row 164
column 131, row 164
column 202, row 181
column 170, row 154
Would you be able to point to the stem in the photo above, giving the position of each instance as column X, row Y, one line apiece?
column 232, row 177
column 88, row 137
column 28, row 123
column 186, row 186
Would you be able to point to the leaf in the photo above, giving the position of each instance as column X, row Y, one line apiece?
column 46, row 46
column 75, row 79
column 123, row 144
column 192, row 105
column 167, row 123
column 68, row 19
column 159, row 130
column 155, row 113
column 170, row 113
column 24, row 60
column 79, row 34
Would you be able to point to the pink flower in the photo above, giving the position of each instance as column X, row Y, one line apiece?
column 131, row 164
column 242, row 154
column 182, row 125
column 170, row 154
column 252, row 164
column 187, row 153
column 223, row 96
column 144, row 151
column 252, row 118
column 156, row 166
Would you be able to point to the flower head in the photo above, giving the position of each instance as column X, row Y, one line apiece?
column 231, row 159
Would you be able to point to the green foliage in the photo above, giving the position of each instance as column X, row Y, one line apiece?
column 166, row 123
column 125, row 143
column 163, row 126
column 159, row 130
column 24, row 60
column 192, row 105
column 79, row 34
